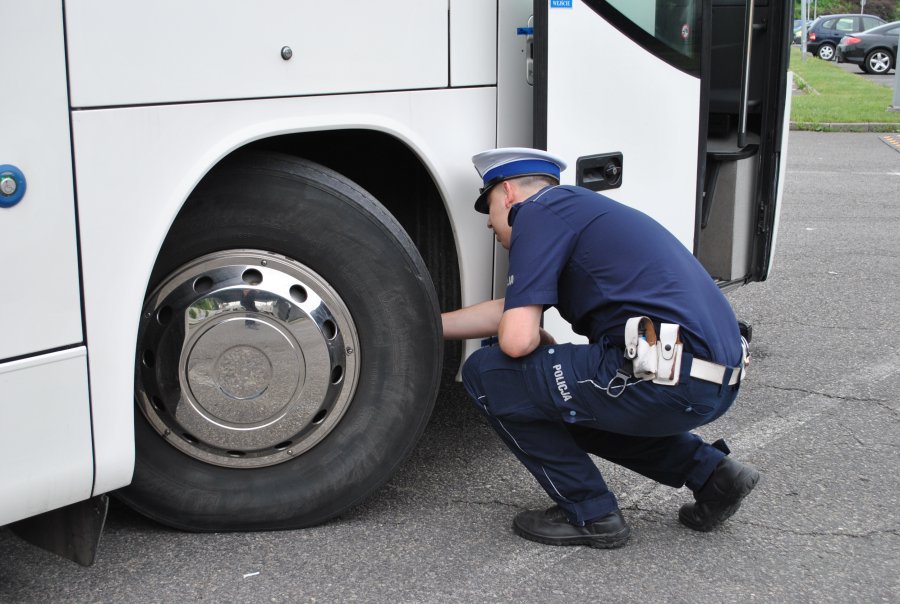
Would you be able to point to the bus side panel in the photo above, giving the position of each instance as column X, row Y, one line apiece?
column 125, row 53
column 473, row 44
column 606, row 94
column 40, row 306
column 46, row 444
column 136, row 166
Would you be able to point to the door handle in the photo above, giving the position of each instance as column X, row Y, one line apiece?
column 528, row 32
column 599, row 172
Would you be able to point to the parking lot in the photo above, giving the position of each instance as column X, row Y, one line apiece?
column 819, row 416
column 884, row 79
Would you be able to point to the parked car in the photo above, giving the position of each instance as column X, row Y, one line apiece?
column 825, row 32
column 875, row 50
column 798, row 30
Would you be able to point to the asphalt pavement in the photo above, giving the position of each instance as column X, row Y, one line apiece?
column 819, row 415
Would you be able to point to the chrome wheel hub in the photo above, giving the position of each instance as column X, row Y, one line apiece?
column 245, row 359
column 880, row 62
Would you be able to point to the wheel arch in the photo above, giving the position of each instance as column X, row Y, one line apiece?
column 886, row 49
column 137, row 167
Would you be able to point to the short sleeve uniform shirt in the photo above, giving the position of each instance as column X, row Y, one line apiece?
column 600, row 263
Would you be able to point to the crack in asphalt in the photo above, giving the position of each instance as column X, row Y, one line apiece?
column 831, row 396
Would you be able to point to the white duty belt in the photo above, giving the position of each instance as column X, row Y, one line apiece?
column 715, row 373
column 659, row 358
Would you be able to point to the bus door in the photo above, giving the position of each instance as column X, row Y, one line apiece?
column 674, row 107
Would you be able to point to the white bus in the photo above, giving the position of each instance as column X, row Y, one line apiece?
column 227, row 228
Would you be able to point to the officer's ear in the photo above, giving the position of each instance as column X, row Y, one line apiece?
column 509, row 193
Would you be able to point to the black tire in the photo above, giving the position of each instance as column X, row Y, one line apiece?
column 826, row 52
column 319, row 220
column 878, row 61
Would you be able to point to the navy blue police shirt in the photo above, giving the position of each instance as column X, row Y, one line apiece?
column 600, row 263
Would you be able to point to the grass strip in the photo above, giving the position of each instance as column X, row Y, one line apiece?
column 834, row 98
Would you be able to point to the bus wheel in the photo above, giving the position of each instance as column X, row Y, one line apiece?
column 289, row 351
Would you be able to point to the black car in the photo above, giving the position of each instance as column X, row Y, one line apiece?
column 875, row 51
column 825, row 32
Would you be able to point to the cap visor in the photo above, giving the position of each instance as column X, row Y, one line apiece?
column 481, row 204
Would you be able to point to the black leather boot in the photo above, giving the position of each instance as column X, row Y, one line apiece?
column 720, row 497
column 551, row 527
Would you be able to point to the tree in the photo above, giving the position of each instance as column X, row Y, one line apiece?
column 886, row 9
column 889, row 10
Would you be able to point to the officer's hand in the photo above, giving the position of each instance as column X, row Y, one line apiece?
column 546, row 338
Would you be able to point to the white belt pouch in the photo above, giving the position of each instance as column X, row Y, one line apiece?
column 653, row 358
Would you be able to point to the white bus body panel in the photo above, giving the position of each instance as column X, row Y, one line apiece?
column 168, row 51
column 586, row 116
column 473, row 45
column 137, row 165
column 40, row 305
column 46, row 444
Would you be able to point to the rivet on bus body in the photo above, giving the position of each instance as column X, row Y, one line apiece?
column 8, row 185
column 286, row 53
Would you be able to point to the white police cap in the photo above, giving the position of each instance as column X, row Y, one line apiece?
column 496, row 165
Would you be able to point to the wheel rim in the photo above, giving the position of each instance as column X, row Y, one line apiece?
column 879, row 62
column 245, row 359
column 826, row 52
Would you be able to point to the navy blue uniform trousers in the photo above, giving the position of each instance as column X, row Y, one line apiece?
column 561, row 402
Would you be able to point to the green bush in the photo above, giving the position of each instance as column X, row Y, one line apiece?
column 889, row 10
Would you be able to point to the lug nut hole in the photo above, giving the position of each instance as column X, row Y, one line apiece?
column 149, row 359
column 164, row 315
column 203, row 285
column 320, row 416
column 252, row 277
column 329, row 329
column 337, row 374
column 235, row 454
column 298, row 293
column 283, row 446
column 156, row 402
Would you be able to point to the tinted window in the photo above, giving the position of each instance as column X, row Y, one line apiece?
column 668, row 29
column 675, row 24
column 870, row 22
column 847, row 24
column 829, row 24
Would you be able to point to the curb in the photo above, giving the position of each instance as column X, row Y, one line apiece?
column 846, row 127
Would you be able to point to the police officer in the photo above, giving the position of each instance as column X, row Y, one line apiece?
column 600, row 263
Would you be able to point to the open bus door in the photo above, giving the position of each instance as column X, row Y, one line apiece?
column 676, row 107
